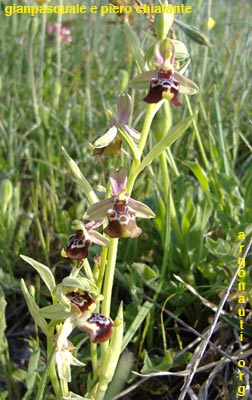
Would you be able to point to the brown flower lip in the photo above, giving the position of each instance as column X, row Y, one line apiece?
column 77, row 247
column 98, row 327
column 80, row 301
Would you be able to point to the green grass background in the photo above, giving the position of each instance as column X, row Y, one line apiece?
column 209, row 172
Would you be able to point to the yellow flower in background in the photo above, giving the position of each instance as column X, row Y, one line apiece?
column 42, row 1
column 208, row 24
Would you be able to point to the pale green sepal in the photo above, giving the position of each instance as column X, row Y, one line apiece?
column 100, row 239
column 113, row 353
column 134, row 44
column 186, row 85
column 34, row 309
column 82, row 181
column 168, row 139
column 54, row 312
column 98, row 211
column 141, row 209
column 142, row 81
column 181, row 51
column 64, row 359
column 79, row 283
column 62, row 299
column 44, row 272
column 106, row 139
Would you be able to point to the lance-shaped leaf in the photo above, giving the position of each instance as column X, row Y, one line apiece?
column 167, row 140
column 34, row 309
column 44, row 272
column 81, row 180
column 134, row 44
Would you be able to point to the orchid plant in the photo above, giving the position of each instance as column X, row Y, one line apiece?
column 83, row 299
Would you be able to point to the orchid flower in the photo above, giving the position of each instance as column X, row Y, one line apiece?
column 110, row 142
column 98, row 328
column 79, row 243
column 164, row 81
column 120, row 209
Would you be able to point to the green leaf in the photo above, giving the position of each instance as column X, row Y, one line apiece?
column 3, row 341
column 80, row 178
column 147, row 273
column 199, row 173
column 141, row 315
column 134, row 45
column 220, row 249
column 31, row 374
column 34, row 309
column 167, row 140
column 44, row 272
column 154, row 364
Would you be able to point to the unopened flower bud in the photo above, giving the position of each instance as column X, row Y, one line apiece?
column 163, row 23
column 194, row 34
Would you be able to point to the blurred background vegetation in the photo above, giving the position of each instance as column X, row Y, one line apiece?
column 55, row 94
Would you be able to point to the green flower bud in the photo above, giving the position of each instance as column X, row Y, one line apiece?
column 194, row 33
column 163, row 23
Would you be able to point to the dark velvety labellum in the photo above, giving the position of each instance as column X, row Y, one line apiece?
column 77, row 247
column 81, row 300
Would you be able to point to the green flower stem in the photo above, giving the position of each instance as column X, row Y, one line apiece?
column 109, row 277
column 94, row 359
column 107, row 288
column 102, row 268
column 151, row 110
column 52, row 370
